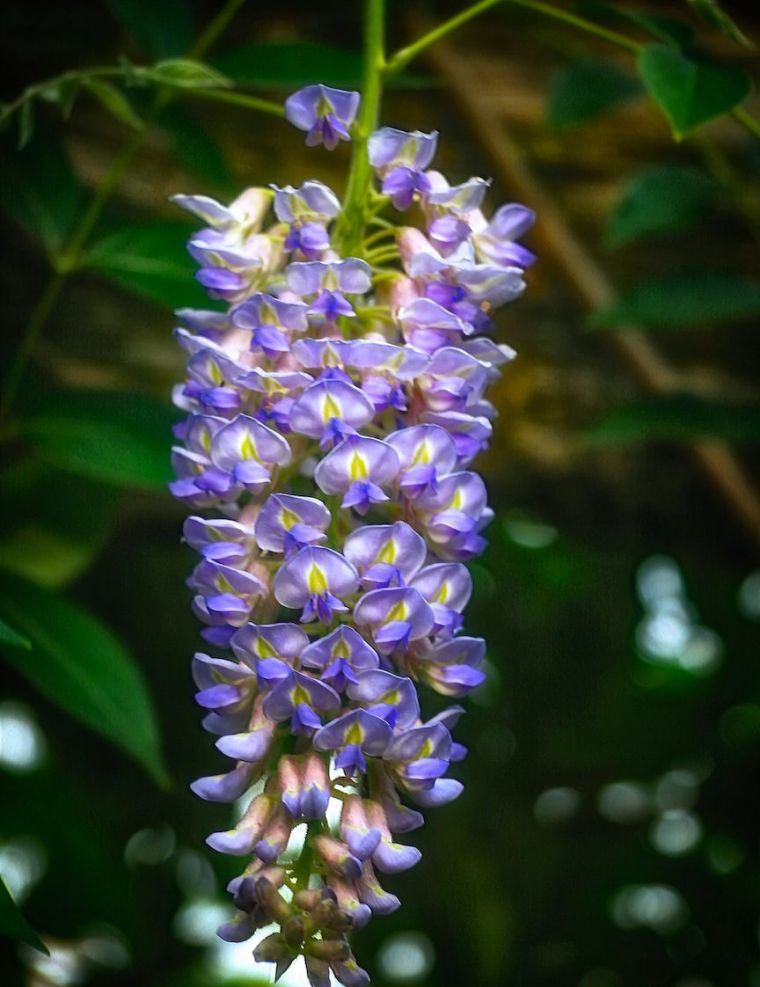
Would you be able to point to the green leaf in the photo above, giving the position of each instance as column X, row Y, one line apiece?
column 118, row 438
column 14, row 925
column 111, row 99
column 51, row 540
column 678, row 416
column 658, row 200
column 182, row 73
column 39, row 189
column 9, row 636
column 162, row 30
column 63, row 93
column 25, row 123
column 77, row 663
column 292, row 64
column 585, row 89
column 667, row 29
column 150, row 260
column 195, row 148
column 713, row 14
column 690, row 91
column 692, row 301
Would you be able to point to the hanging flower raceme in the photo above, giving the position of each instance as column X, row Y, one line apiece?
column 333, row 412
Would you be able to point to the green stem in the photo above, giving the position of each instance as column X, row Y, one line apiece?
column 214, row 28
column 37, row 320
column 70, row 257
column 405, row 55
column 239, row 99
column 750, row 123
column 350, row 228
column 377, row 236
column 382, row 254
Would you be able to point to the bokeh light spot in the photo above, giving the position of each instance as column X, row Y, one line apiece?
column 405, row 957
column 658, row 907
column 150, row 847
column 22, row 742
column 676, row 832
column 748, row 599
column 624, row 802
column 556, row 806
column 23, row 861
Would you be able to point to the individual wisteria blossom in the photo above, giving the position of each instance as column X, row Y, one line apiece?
column 324, row 113
column 333, row 411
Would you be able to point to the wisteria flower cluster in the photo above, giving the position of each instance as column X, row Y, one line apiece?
column 333, row 411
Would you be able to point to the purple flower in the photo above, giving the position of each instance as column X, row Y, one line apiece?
column 395, row 617
column 329, row 410
column 358, row 468
column 315, row 579
column 324, row 113
column 401, row 158
column 426, row 452
column 247, row 451
column 327, row 283
column 392, row 697
column 271, row 321
column 385, row 554
column 452, row 668
column 301, row 699
column 340, row 657
column 286, row 523
column 307, row 211
column 494, row 241
column 353, row 735
column 447, row 587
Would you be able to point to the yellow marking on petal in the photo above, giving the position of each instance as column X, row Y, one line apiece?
column 443, row 594
column 247, row 448
column 427, row 749
column 316, row 581
column 457, row 500
column 391, row 698
column 288, row 519
column 388, row 552
column 354, row 734
column 330, row 357
column 341, row 650
column 357, row 468
column 224, row 585
column 399, row 612
column 299, row 695
column 330, row 409
column 421, row 455
column 264, row 649
column 205, row 440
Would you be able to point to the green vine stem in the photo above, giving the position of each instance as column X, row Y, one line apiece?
column 350, row 229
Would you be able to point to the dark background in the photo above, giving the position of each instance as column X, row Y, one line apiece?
column 607, row 836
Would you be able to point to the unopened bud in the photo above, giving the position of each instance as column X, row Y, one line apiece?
column 271, row 949
column 293, row 930
column 307, row 899
column 272, row 901
column 332, row 950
